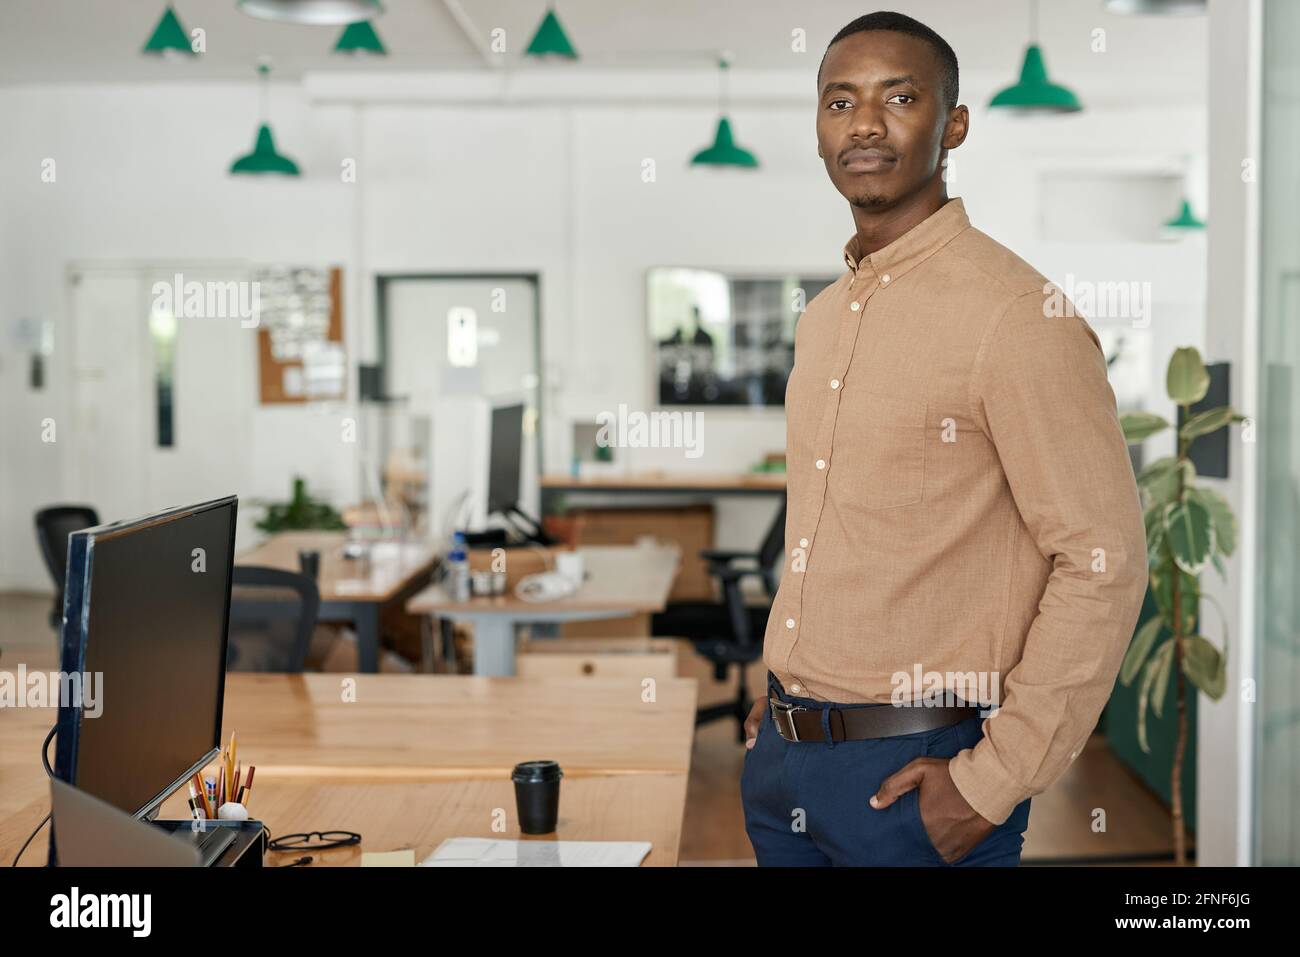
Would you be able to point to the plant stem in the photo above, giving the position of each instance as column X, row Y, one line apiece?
column 1176, row 773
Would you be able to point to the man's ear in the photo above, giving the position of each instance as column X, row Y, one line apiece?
column 958, row 126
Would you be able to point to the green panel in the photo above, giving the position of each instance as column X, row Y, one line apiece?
column 1120, row 724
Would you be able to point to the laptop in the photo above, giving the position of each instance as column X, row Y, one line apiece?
column 91, row 833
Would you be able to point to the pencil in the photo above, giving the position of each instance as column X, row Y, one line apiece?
column 200, row 795
column 248, row 786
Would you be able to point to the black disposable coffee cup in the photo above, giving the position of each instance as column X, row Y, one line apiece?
column 309, row 562
column 537, row 795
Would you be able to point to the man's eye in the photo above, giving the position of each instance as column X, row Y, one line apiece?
column 834, row 104
column 909, row 98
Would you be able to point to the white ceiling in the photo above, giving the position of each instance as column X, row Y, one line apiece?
column 44, row 41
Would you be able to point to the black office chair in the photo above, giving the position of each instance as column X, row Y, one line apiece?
column 729, row 632
column 53, row 526
column 272, row 618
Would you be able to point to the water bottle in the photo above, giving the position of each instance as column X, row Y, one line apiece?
column 458, row 570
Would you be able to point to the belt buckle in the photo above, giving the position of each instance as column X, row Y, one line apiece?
column 779, row 707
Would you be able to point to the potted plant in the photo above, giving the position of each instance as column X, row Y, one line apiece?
column 301, row 512
column 1188, row 526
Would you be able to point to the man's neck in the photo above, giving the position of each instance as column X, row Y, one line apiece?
column 878, row 228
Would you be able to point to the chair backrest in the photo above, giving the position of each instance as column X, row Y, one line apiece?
column 53, row 526
column 272, row 617
column 769, row 553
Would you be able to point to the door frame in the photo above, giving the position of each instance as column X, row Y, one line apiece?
column 533, row 279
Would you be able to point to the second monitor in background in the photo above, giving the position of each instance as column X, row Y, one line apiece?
column 504, row 471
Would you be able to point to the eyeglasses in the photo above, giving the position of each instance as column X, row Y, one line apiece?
column 314, row 841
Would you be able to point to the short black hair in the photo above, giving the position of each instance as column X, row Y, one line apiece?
column 901, row 23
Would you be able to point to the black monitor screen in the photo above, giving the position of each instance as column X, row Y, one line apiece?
column 147, row 607
column 507, row 457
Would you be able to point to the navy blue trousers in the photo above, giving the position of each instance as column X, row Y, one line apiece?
column 806, row 801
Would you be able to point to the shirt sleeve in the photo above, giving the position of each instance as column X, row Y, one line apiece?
column 1040, row 393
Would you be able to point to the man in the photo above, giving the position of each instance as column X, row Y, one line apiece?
column 962, row 512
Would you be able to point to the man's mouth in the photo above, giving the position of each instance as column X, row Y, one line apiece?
column 869, row 160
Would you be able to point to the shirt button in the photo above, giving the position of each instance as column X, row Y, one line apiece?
column 789, row 622
column 821, row 463
column 803, row 543
column 796, row 689
column 854, row 306
column 884, row 278
column 835, row 383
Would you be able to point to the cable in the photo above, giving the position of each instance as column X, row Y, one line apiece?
column 45, row 761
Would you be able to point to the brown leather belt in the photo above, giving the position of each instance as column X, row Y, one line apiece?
column 797, row 723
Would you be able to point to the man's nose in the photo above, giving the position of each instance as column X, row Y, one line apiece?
column 868, row 122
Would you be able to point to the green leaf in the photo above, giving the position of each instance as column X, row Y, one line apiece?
column 1159, row 660
column 1161, row 685
column 1222, row 665
column 1186, row 380
column 1158, row 467
column 1218, row 564
column 1137, row 651
column 1190, row 534
column 1204, row 666
column 1205, row 422
column 1159, row 481
column 1221, row 514
column 1141, row 425
column 1153, row 519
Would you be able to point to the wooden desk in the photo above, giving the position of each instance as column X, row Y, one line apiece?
column 621, row 580
column 351, row 590
column 421, row 815
column 411, row 742
column 663, row 483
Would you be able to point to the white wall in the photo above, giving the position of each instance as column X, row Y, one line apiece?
column 554, row 188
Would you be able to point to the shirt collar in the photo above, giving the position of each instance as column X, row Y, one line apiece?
column 913, row 247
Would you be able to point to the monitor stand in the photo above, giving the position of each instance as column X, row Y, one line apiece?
column 223, row 843
column 534, row 531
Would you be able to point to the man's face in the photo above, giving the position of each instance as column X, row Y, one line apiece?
column 881, row 119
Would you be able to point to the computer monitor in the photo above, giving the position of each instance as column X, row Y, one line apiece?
column 147, row 606
column 505, row 467
column 506, row 462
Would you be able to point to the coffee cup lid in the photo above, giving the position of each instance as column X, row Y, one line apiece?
column 529, row 772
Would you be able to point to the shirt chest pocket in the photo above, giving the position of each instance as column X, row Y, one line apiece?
column 880, row 449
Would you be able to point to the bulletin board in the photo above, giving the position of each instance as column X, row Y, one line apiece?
column 301, row 360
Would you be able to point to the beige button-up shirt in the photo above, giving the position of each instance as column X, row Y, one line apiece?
column 962, row 510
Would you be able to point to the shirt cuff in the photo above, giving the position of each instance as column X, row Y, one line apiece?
column 985, row 784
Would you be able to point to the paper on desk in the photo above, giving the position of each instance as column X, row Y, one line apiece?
column 485, row 852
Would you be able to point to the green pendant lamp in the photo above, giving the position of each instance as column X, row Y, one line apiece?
column 550, row 40
column 1185, row 221
column 1034, row 92
column 724, row 151
column 265, row 158
column 360, row 38
column 169, row 37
